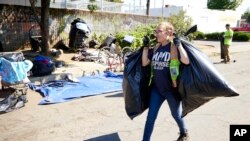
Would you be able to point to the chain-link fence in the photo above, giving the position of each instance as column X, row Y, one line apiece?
column 105, row 6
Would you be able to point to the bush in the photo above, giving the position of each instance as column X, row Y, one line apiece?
column 93, row 7
column 180, row 21
column 213, row 36
column 120, row 36
column 238, row 36
column 99, row 38
column 198, row 35
column 241, row 36
column 138, row 33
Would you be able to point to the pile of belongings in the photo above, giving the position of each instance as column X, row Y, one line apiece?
column 13, row 71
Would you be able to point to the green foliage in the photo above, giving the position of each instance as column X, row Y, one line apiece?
column 118, row 1
column 238, row 36
column 100, row 38
column 198, row 35
column 246, row 16
column 93, row 7
column 213, row 36
column 223, row 4
column 62, row 25
column 241, row 36
column 138, row 33
column 119, row 37
column 181, row 22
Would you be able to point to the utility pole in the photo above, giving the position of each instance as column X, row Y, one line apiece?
column 101, row 5
column 162, row 8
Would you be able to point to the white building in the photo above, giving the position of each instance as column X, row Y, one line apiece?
column 206, row 19
column 213, row 20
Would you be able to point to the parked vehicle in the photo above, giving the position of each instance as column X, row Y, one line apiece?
column 244, row 27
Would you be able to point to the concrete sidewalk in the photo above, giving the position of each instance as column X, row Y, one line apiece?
column 212, row 48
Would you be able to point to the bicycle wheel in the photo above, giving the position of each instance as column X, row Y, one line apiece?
column 126, row 51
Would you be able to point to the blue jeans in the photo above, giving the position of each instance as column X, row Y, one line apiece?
column 156, row 101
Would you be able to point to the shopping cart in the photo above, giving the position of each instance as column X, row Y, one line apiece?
column 13, row 78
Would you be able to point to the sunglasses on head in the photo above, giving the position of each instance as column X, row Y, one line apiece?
column 158, row 31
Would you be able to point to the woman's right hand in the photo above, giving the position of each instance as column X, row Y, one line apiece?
column 145, row 60
column 146, row 41
column 177, row 41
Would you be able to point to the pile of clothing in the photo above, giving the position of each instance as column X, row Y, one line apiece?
column 12, row 102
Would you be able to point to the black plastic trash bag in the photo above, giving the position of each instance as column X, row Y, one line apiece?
column 78, row 33
column 200, row 82
column 108, row 41
column 135, row 85
column 1, row 47
column 221, row 38
column 77, row 20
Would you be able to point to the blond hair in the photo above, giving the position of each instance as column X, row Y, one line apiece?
column 167, row 26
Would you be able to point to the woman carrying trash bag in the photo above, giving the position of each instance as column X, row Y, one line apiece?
column 165, row 56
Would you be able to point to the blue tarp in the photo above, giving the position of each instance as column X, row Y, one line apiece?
column 63, row 90
column 14, row 72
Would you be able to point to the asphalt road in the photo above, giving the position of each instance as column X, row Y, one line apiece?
column 103, row 117
column 235, row 47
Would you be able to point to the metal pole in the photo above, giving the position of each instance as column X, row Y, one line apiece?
column 134, row 6
column 162, row 8
column 140, row 5
column 130, row 8
column 101, row 5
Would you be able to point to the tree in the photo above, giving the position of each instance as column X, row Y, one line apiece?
column 148, row 6
column 223, row 4
column 43, row 22
column 92, row 6
column 246, row 16
column 118, row 1
column 181, row 22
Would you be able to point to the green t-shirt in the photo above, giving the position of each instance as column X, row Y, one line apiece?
column 228, row 36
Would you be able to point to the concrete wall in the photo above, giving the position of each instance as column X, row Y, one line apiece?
column 17, row 21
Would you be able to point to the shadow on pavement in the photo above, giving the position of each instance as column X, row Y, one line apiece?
column 221, row 62
column 116, row 95
column 218, row 62
column 109, row 137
